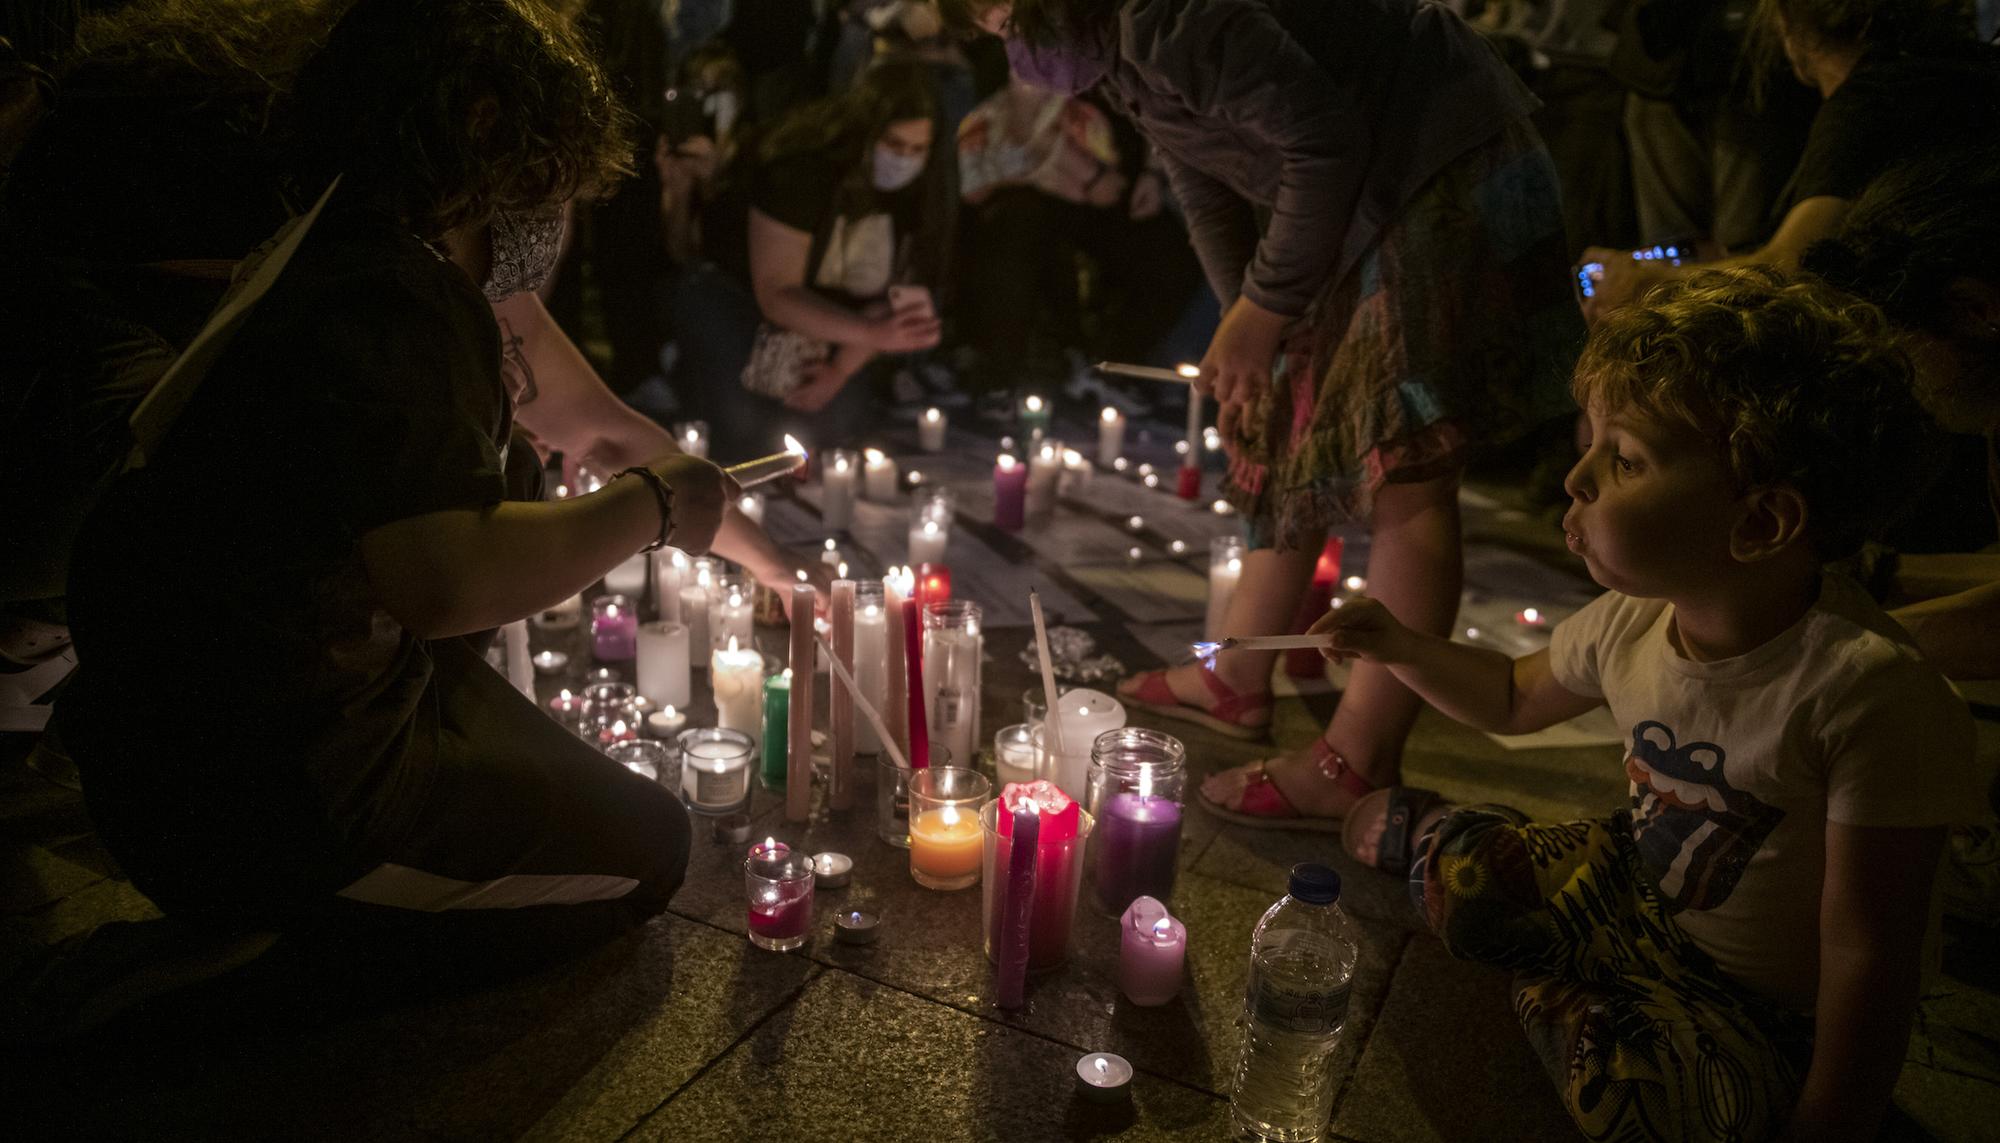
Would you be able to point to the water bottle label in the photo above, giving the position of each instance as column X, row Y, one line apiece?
column 1308, row 1011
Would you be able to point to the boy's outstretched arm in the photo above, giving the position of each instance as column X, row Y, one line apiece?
column 1482, row 688
column 1874, row 913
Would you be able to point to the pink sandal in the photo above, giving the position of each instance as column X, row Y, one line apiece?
column 1264, row 806
column 1245, row 716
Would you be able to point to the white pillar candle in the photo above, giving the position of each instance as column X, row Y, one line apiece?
column 1075, row 474
column 694, row 608
column 1110, row 436
column 751, row 504
column 670, row 566
column 953, row 649
column 838, row 473
column 1085, row 714
column 737, row 676
column 931, row 427
column 628, row 578
column 1044, row 477
column 1225, row 570
column 927, row 542
column 663, row 663
column 871, row 661
column 878, row 475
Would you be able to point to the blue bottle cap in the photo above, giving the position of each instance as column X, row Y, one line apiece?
column 1314, row 884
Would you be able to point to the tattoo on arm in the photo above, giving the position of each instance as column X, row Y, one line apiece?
column 514, row 368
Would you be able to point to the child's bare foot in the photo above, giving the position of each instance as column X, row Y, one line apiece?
column 1370, row 837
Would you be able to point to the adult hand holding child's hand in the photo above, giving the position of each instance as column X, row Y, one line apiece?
column 1361, row 629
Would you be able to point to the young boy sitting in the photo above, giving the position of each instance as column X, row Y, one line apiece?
column 1737, row 955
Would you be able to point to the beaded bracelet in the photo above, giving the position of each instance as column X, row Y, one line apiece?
column 663, row 493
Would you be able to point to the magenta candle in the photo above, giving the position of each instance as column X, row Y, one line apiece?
column 614, row 628
column 913, row 658
column 1138, row 849
column 780, row 887
column 1152, row 953
column 1017, row 905
column 1010, row 494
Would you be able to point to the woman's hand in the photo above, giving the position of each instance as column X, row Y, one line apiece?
column 906, row 332
column 701, row 493
column 1236, row 370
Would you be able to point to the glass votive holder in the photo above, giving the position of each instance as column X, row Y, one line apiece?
column 932, row 503
column 1136, row 781
column 614, row 628
column 732, row 611
column 892, row 796
column 649, row 758
column 1058, row 880
column 779, row 884
column 715, row 769
column 601, row 706
column 944, row 826
column 1015, row 757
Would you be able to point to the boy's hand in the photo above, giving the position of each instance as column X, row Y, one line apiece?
column 1361, row 629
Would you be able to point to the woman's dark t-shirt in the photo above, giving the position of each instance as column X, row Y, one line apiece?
column 234, row 651
column 1894, row 108
column 799, row 191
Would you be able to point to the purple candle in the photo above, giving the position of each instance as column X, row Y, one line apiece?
column 1017, row 908
column 781, row 920
column 1010, row 494
column 780, row 886
column 1138, row 849
column 614, row 628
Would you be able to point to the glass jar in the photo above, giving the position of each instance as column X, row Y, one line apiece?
column 953, row 651
column 1137, row 778
column 651, row 759
column 604, row 707
column 715, row 770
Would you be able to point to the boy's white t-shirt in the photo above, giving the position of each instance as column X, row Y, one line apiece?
column 1736, row 765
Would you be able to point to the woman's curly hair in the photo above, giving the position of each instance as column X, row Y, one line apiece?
column 456, row 109
column 1793, row 381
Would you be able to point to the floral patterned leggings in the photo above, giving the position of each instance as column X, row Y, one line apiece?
column 1643, row 1035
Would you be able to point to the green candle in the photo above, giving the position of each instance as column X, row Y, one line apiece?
column 777, row 719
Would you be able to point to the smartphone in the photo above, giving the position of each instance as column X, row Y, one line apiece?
column 906, row 299
column 1672, row 253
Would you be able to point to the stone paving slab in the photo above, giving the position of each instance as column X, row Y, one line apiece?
column 856, row 1060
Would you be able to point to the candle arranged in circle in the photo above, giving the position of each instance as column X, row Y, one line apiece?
column 878, row 475
column 1110, row 436
column 931, row 425
column 736, row 674
column 1138, row 848
column 1035, row 413
column 1010, row 493
column 840, row 472
column 1044, row 481
column 927, row 542
column 780, row 888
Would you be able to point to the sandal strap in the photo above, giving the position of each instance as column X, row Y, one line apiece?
column 1231, row 704
column 1334, row 767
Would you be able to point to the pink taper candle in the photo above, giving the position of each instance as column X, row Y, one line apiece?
column 799, row 768
column 913, row 655
column 840, row 791
column 896, row 587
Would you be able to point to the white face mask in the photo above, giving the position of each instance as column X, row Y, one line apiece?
column 893, row 172
column 525, row 246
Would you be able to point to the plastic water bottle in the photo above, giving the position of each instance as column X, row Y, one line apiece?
column 1302, row 958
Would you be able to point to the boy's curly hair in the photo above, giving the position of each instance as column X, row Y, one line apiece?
column 455, row 109
column 1791, row 380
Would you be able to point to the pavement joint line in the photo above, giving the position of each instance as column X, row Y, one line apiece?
column 818, row 970
column 1374, row 1022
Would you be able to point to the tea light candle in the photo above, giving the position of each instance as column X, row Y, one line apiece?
column 1152, row 953
column 1110, row 436
column 928, row 539
column 775, row 750
column 856, row 927
column 1102, row 1077
column 832, row 870
column 1010, row 491
column 666, row 723
column 1222, row 508
column 737, row 677
column 878, row 475
column 692, row 436
column 946, row 844
column 1035, row 413
column 614, row 628
column 1014, row 756
column 663, row 663
column 732, row 829
column 550, row 662
column 566, row 706
column 751, row 505
column 1225, row 571
column 628, row 578
column 618, row 731
column 1044, row 476
column 1532, row 618
column 931, row 430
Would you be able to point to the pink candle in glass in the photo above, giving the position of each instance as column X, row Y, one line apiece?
column 780, row 885
column 1010, row 494
column 614, row 628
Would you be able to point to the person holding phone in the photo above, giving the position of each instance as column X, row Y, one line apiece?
column 836, row 205
column 1382, row 226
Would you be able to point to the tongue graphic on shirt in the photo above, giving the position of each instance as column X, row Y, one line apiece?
column 1695, row 831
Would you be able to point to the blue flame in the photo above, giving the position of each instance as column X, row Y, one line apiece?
column 1206, row 653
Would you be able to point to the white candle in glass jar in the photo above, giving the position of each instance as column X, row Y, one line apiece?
column 931, row 425
column 953, row 649
column 838, row 474
column 871, row 663
column 737, row 678
column 878, row 475
column 1110, row 436
column 663, row 663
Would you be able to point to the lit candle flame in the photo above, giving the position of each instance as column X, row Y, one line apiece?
column 933, row 416
column 874, row 456
column 930, row 528
column 788, row 674
column 1048, row 452
column 1110, row 415
column 1235, row 564
column 732, row 644
column 669, row 711
column 1163, row 928
column 1530, row 615
column 841, row 571
column 1102, row 1067
column 802, row 575
column 1207, row 652
column 611, row 611
column 840, row 464
column 1008, row 462
column 831, row 546
column 1033, row 404
column 747, row 504
column 792, row 445
column 735, row 599
column 1187, row 370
